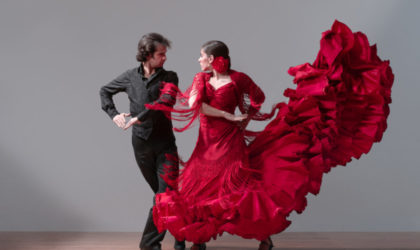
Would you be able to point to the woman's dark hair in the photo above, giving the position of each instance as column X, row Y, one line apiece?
column 216, row 49
column 148, row 43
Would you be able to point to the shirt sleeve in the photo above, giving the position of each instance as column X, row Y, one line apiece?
column 117, row 85
column 164, row 99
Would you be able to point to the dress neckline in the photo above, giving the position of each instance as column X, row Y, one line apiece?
column 215, row 89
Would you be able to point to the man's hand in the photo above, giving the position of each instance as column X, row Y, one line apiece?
column 120, row 119
column 131, row 122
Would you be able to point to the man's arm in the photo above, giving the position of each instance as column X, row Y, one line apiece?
column 119, row 84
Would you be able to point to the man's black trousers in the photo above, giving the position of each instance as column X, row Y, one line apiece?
column 151, row 157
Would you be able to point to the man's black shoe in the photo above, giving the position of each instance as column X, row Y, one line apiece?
column 154, row 247
column 201, row 246
column 179, row 245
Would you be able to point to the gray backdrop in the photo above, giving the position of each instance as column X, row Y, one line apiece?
column 66, row 166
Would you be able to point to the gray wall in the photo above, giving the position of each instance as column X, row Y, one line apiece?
column 65, row 166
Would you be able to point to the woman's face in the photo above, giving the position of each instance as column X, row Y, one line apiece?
column 205, row 61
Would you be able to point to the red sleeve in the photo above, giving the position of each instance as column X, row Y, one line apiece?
column 251, row 96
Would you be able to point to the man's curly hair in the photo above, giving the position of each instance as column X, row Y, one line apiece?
column 148, row 43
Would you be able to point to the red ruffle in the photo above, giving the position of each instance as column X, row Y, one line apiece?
column 338, row 110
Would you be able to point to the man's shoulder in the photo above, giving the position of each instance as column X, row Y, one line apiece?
column 170, row 76
column 133, row 71
column 129, row 73
column 168, row 72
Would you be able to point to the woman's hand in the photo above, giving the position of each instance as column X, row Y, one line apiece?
column 131, row 122
column 234, row 118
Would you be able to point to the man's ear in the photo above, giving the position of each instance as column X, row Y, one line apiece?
column 148, row 57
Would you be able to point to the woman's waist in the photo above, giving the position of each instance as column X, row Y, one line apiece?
column 206, row 120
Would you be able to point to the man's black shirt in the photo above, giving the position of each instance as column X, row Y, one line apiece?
column 141, row 90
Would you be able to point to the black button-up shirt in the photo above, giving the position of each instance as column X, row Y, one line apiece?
column 141, row 90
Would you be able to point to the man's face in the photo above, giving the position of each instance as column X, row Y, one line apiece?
column 158, row 58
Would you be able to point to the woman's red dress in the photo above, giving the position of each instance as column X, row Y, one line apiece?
column 337, row 111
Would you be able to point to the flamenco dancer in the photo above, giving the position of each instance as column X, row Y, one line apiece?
column 152, row 135
column 337, row 111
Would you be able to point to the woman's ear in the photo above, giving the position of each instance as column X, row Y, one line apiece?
column 211, row 59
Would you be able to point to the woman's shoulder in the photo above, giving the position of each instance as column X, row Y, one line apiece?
column 238, row 76
column 201, row 78
column 202, row 75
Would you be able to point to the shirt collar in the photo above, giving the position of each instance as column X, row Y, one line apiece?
column 141, row 71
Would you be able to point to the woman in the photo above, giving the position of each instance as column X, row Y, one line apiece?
column 338, row 110
column 218, row 172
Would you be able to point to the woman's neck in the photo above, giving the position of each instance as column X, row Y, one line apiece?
column 218, row 75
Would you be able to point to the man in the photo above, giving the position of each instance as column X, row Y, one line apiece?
column 152, row 136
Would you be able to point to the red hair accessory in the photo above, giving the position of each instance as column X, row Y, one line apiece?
column 220, row 64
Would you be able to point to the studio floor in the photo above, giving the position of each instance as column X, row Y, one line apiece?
column 284, row 241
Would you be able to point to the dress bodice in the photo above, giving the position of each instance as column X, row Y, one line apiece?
column 224, row 98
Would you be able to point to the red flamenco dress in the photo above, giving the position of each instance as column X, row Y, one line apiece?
column 337, row 111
